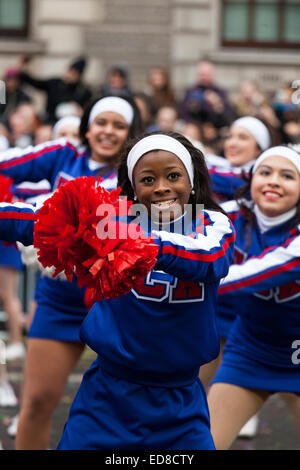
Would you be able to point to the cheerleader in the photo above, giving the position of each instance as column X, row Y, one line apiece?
column 260, row 355
column 248, row 137
column 143, row 390
column 67, row 127
column 54, row 345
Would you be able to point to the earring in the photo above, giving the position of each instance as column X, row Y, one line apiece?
column 135, row 198
column 193, row 192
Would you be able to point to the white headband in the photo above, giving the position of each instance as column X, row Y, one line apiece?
column 65, row 121
column 160, row 142
column 115, row 104
column 279, row 151
column 256, row 128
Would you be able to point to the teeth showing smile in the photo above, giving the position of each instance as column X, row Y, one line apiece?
column 163, row 203
column 271, row 194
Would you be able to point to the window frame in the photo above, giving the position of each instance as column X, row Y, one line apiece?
column 22, row 32
column 282, row 4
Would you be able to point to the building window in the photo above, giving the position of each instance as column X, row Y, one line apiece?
column 14, row 18
column 267, row 23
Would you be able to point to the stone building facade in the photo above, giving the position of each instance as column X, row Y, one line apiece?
column 139, row 34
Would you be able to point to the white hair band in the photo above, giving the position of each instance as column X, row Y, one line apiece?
column 114, row 104
column 65, row 121
column 160, row 142
column 257, row 129
column 279, row 151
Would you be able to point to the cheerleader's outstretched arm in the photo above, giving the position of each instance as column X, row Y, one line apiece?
column 36, row 163
column 17, row 222
column 274, row 267
column 206, row 255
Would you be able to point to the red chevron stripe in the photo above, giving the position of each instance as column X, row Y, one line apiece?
column 259, row 277
column 169, row 249
column 18, row 215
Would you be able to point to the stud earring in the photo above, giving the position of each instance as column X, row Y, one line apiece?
column 193, row 192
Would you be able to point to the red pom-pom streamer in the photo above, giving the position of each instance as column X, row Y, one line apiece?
column 66, row 235
column 6, row 194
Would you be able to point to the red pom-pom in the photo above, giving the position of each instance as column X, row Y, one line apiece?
column 6, row 194
column 111, row 262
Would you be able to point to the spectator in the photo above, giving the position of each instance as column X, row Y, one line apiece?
column 43, row 133
column 146, row 108
column 283, row 104
column 117, row 82
column 14, row 95
column 162, row 93
column 291, row 131
column 250, row 101
column 165, row 120
column 68, row 109
column 288, row 112
column 69, row 88
column 205, row 101
column 193, row 132
column 23, row 124
column 67, row 127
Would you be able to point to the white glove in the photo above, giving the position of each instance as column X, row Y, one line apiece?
column 30, row 259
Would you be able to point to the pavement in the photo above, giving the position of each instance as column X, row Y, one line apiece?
column 276, row 431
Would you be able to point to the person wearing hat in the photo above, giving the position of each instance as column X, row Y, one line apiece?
column 68, row 88
column 117, row 82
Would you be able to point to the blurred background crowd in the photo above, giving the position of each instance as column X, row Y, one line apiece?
column 203, row 111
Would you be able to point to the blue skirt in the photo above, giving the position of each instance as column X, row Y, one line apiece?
column 112, row 413
column 253, row 363
column 60, row 310
column 10, row 257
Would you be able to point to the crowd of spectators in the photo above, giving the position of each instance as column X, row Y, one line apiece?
column 206, row 108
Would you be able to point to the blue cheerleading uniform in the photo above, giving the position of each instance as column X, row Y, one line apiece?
column 143, row 390
column 226, row 178
column 10, row 257
column 60, row 304
column 226, row 311
column 260, row 346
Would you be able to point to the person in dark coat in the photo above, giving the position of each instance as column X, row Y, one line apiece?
column 69, row 88
column 206, row 101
